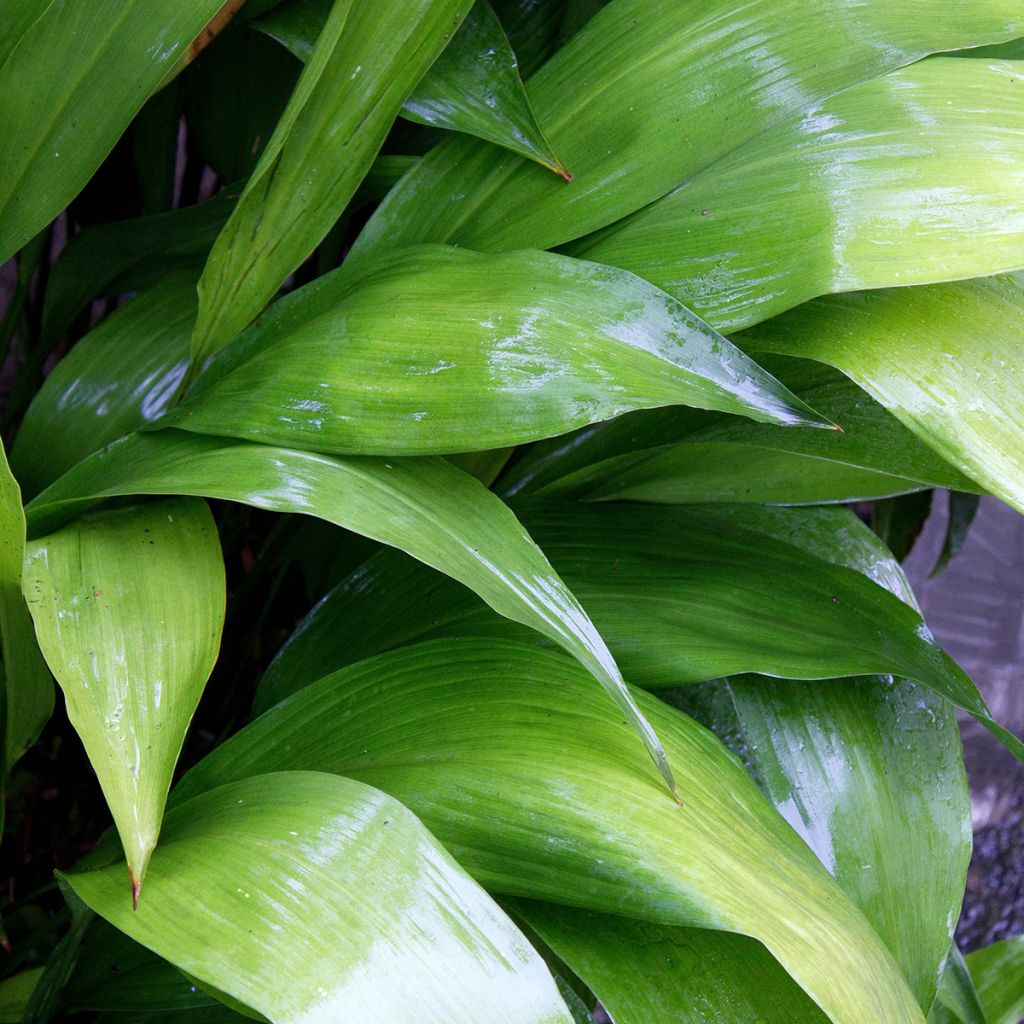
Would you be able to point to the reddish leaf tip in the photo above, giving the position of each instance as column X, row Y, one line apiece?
column 136, row 888
column 5, row 944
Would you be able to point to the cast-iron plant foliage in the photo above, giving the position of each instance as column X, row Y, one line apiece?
column 581, row 324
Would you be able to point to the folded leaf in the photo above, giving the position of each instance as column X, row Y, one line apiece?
column 680, row 594
column 312, row 898
column 473, row 86
column 540, row 796
column 427, row 507
column 675, row 456
column 998, row 975
column 944, row 359
column 441, row 351
column 644, row 972
column 120, row 376
column 128, row 606
column 26, row 684
column 63, row 110
column 912, row 178
column 365, row 62
column 651, row 92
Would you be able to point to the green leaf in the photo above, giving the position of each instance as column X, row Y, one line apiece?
column 27, row 686
column 120, row 376
column 675, row 456
column 912, row 178
column 365, row 62
column 944, row 359
column 128, row 606
column 962, row 510
column 957, row 998
column 849, row 763
column 473, row 86
column 680, row 594
column 651, row 92
column 998, row 975
column 63, row 110
column 441, row 351
column 358, row 908
column 539, row 795
column 113, row 973
column 15, row 993
column 645, row 973
column 899, row 521
column 426, row 507
column 130, row 255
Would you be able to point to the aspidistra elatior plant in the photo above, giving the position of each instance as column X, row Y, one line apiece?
column 578, row 325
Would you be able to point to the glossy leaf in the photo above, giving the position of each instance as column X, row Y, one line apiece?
column 627, row 106
column 27, row 686
column 540, row 796
column 911, row 178
column 120, row 376
column 849, row 763
column 944, row 359
column 312, row 898
column 473, row 86
column 426, row 507
column 644, row 972
column 444, row 351
column 681, row 595
column 365, row 62
column 62, row 111
column 678, row 457
column 128, row 606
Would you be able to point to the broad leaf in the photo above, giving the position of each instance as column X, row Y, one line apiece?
column 958, row 998
column 650, row 93
column 540, row 796
column 120, row 376
column 15, row 993
column 63, row 110
column 945, row 359
column 365, row 62
column 681, row 595
column 473, row 86
column 644, row 972
column 441, row 351
column 675, row 456
column 128, row 606
column 312, row 899
column 26, row 684
column 998, row 975
column 850, row 763
column 912, row 178
column 426, row 507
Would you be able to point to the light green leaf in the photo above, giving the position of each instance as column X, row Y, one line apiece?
column 365, row 62
column 945, row 359
column 473, row 86
column 356, row 906
column 539, row 795
column 675, row 456
column 651, row 92
column 647, row 973
column 680, row 594
column 426, row 507
column 958, row 998
column 120, row 376
column 128, row 606
column 912, row 178
column 442, row 351
column 63, row 110
column 27, row 686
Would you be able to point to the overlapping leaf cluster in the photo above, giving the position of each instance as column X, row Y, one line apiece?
column 595, row 523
